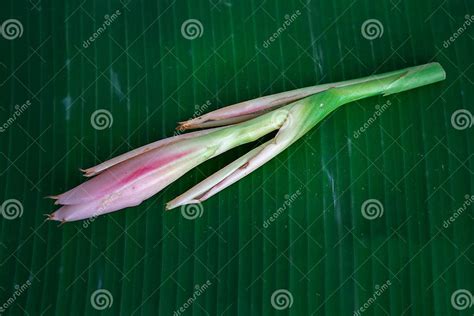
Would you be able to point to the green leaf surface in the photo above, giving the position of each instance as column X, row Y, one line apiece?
column 289, row 239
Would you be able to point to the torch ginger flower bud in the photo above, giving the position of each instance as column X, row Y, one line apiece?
column 133, row 177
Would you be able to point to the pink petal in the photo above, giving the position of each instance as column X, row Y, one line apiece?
column 138, row 151
column 123, row 174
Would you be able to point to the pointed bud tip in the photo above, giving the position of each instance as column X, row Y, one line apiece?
column 51, row 217
column 88, row 172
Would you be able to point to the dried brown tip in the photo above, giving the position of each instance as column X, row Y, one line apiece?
column 49, row 217
column 182, row 126
column 88, row 172
column 190, row 124
column 52, row 197
column 52, row 217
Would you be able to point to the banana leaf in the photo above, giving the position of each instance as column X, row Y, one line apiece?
column 368, row 214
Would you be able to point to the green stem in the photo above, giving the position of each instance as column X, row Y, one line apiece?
column 321, row 104
column 315, row 108
column 392, row 82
